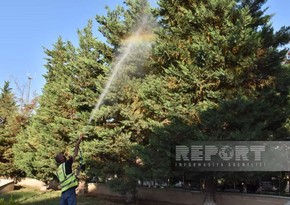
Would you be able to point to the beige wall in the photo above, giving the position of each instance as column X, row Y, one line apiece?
column 248, row 199
column 6, row 185
column 196, row 198
column 186, row 197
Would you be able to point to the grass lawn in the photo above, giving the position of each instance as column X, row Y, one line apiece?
column 28, row 196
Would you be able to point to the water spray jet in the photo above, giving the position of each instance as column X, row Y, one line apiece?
column 141, row 39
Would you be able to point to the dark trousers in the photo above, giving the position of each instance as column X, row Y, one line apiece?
column 69, row 197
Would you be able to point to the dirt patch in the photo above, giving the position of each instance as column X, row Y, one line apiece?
column 33, row 183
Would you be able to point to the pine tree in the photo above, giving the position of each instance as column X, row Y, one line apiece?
column 38, row 143
column 9, row 128
column 119, row 124
column 221, row 65
column 215, row 74
column 73, row 82
column 223, row 61
column 210, row 57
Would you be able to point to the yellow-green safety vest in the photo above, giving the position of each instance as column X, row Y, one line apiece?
column 66, row 181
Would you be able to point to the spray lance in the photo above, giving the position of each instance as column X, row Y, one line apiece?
column 82, row 165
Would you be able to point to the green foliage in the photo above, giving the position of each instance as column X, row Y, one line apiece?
column 213, row 73
column 10, row 202
column 221, row 64
column 74, row 80
column 11, row 126
column 120, row 125
column 31, row 196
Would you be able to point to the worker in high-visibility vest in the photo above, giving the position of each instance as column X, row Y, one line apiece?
column 67, row 179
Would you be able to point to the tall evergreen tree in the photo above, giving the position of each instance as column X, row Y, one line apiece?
column 221, row 66
column 12, row 122
column 213, row 68
column 214, row 74
column 223, row 61
column 73, row 81
column 37, row 145
column 119, row 124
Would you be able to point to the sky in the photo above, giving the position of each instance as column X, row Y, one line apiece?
column 27, row 27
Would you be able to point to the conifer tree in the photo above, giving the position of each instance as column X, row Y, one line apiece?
column 11, row 124
column 68, row 96
column 211, row 57
column 223, row 61
column 48, row 131
column 221, row 66
column 215, row 74
column 119, row 124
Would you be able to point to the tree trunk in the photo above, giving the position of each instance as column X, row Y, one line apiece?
column 209, row 194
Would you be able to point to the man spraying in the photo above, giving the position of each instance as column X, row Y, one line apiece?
column 67, row 179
